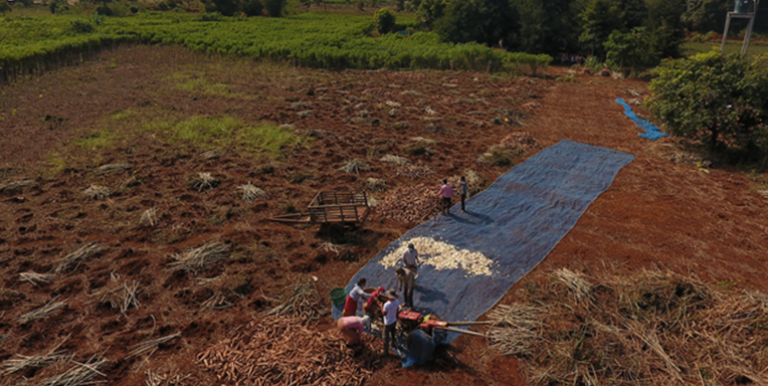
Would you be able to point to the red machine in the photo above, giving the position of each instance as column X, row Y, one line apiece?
column 410, row 320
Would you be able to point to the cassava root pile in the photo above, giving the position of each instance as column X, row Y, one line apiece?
column 281, row 351
column 410, row 204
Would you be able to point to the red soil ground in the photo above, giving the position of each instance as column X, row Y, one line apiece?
column 657, row 214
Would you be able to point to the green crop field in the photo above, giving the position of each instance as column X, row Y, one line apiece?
column 312, row 40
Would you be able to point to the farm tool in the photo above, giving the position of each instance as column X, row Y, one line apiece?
column 411, row 320
column 341, row 207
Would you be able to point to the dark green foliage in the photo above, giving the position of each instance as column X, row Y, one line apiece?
column 399, row 5
column 430, row 11
column 82, row 27
column 253, row 7
column 53, row 6
column 384, row 21
column 601, row 17
column 274, row 7
column 665, row 22
column 134, row 10
column 719, row 101
column 4, row 7
column 104, row 11
column 360, row 5
column 210, row 15
column 634, row 48
column 225, row 7
column 172, row 4
column 482, row 21
column 162, row 6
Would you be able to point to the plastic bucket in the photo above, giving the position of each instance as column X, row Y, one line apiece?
column 338, row 296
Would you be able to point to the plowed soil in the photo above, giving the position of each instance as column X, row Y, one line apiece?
column 657, row 213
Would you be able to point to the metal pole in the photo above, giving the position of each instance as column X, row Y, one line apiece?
column 725, row 33
column 748, row 36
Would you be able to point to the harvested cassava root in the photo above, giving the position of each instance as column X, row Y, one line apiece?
column 410, row 204
column 281, row 351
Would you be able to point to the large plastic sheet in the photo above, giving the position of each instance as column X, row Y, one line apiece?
column 652, row 132
column 510, row 228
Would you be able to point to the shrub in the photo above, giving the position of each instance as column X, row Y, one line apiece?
column 4, row 7
column 104, row 11
column 134, row 10
column 82, row 27
column 162, row 6
column 210, row 16
column 384, row 21
column 719, row 101
column 275, row 7
column 226, row 7
column 253, row 8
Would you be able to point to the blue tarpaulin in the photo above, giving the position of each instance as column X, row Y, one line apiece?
column 469, row 260
column 651, row 131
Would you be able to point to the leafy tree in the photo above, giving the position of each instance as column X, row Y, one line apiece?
column 226, row 7
column 275, row 7
column 665, row 22
column 717, row 100
column 633, row 48
column 431, row 10
column 601, row 17
column 399, row 5
column 162, row 6
column 4, row 7
column 384, row 21
column 483, row 21
column 253, row 7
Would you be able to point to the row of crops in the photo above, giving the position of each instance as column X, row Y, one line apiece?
column 326, row 41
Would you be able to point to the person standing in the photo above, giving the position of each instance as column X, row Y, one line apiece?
column 463, row 185
column 350, row 307
column 446, row 192
column 411, row 258
column 407, row 278
column 390, row 310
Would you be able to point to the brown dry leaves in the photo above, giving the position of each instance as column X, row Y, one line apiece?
column 282, row 351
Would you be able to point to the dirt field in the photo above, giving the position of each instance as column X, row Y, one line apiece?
column 55, row 130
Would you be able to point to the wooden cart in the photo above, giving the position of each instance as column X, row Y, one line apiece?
column 340, row 207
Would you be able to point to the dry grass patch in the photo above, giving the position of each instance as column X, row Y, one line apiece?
column 652, row 328
column 85, row 252
column 375, row 184
column 198, row 258
column 21, row 362
column 395, row 160
column 16, row 187
column 111, row 168
column 96, row 192
column 414, row 171
column 80, row 374
column 36, row 278
column 119, row 295
column 302, row 300
column 149, row 217
column 250, row 193
column 151, row 346
column 355, row 166
column 203, row 181
column 42, row 312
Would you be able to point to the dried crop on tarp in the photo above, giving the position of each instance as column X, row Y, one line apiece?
column 282, row 351
column 85, row 252
column 652, row 328
column 301, row 299
column 409, row 204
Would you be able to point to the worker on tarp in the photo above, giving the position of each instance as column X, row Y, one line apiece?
column 390, row 310
column 411, row 257
column 407, row 278
column 351, row 305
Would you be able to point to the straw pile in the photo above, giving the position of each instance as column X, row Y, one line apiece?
column 15, row 187
column 80, row 374
column 281, row 351
column 355, row 166
column 649, row 329
column 109, row 168
column 21, row 362
column 522, row 140
column 85, row 252
column 250, row 192
column 203, row 181
column 198, row 258
column 96, row 192
column 36, row 278
column 394, row 159
column 148, row 217
column 409, row 204
column 120, row 296
column 301, row 300
column 43, row 311
column 442, row 255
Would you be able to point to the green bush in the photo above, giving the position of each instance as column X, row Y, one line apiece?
column 253, row 8
column 134, row 10
column 482, row 21
column 82, row 27
column 104, row 11
column 384, row 21
column 162, row 6
column 275, row 7
column 210, row 16
column 719, row 101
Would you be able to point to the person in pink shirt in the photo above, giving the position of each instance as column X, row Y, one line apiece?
column 351, row 328
column 446, row 193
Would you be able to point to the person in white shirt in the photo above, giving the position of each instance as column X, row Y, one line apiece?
column 351, row 305
column 411, row 257
column 390, row 310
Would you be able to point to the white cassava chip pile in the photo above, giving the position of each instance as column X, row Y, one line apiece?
column 442, row 256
